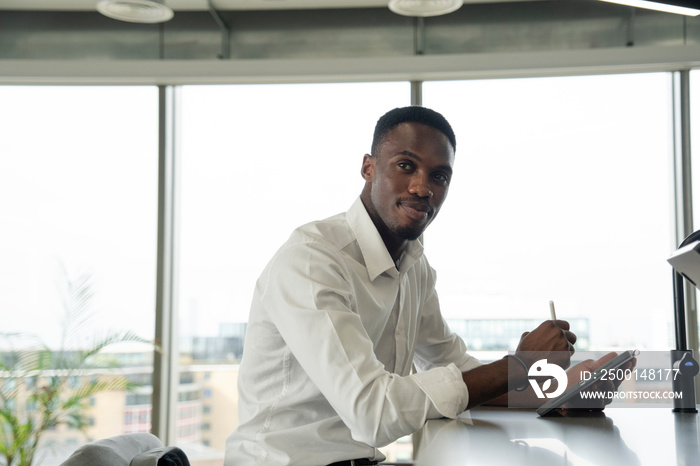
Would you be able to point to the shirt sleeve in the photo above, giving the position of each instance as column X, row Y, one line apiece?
column 437, row 345
column 308, row 296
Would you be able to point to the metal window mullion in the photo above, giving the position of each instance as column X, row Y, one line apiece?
column 417, row 93
column 681, row 145
column 418, row 49
column 165, row 361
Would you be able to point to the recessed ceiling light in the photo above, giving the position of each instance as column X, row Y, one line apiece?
column 680, row 7
column 424, row 7
column 136, row 11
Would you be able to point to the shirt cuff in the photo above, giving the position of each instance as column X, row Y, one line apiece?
column 446, row 390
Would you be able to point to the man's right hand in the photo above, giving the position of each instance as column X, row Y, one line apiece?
column 552, row 341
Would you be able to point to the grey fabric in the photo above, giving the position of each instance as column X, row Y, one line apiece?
column 164, row 456
column 114, row 451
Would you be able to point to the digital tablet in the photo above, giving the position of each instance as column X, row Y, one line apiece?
column 572, row 393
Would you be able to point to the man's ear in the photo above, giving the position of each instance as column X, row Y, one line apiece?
column 368, row 162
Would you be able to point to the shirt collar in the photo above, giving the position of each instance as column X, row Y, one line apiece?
column 374, row 252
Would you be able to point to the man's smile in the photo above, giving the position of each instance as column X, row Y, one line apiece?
column 418, row 211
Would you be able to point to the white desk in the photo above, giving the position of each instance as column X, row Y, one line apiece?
column 617, row 436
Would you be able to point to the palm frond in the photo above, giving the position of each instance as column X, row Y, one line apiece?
column 21, row 350
column 106, row 340
column 61, row 386
column 76, row 296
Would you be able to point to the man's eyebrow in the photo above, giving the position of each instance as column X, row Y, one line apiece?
column 410, row 154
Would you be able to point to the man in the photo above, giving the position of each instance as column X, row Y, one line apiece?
column 348, row 304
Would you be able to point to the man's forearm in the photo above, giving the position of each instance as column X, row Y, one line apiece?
column 489, row 383
column 524, row 399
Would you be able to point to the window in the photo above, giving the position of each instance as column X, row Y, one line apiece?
column 258, row 161
column 137, row 399
column 562, row 191
column 78, row 200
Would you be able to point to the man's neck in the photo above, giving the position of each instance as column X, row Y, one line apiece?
column 395, row 246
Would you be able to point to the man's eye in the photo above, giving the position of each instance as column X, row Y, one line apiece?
column 405, row 165
column 442, row 178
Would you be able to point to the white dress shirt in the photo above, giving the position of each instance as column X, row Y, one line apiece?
column 334, row 327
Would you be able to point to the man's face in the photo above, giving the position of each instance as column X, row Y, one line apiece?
column 408, row 179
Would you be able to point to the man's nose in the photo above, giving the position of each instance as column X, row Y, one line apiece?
column 420, row 186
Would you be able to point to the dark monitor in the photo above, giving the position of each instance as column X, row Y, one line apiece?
column 686, row 261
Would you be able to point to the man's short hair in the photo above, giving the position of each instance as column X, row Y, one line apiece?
column 412, row 114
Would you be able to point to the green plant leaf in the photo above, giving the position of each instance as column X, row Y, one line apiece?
column 61, row 379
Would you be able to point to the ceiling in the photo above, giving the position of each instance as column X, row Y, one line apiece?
column 194, row 5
